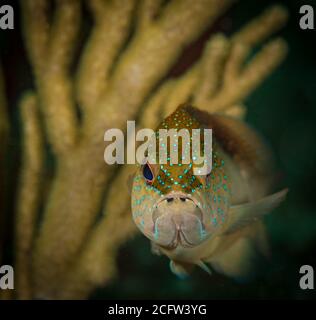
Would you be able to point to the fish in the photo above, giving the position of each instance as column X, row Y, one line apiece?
column 212, row 220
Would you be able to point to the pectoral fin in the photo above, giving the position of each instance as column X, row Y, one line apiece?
column 178, row 270
column 204, row 266
column 181, row 270
column 244, row 214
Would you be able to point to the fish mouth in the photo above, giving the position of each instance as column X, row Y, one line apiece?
column 178, row 221
column 180, row 239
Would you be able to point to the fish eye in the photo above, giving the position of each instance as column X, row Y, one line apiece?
column 148, row 173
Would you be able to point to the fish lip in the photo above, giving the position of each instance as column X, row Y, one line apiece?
column 179, row 239
column 182, row 240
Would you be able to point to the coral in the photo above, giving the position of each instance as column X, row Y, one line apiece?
column 120, row 75
column 29, row 192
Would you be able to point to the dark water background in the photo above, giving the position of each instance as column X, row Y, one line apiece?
column 284, row 110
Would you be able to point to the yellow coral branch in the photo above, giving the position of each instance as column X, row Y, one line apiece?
column 29, row 195
column 36, row 32
column 233, row 68
column 63, row 35
column 257, row 70
column 236, row 83
column 50, row 50
column 257, row 30
column 97, row 264
column 237, row 111
column 112, row 22
column 213, row 61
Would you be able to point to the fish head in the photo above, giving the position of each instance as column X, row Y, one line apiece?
column 172, row 206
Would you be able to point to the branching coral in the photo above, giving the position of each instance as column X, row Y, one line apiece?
column 119, row 76
column 29, row 194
